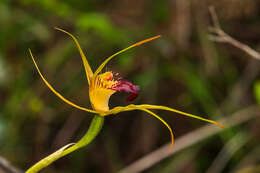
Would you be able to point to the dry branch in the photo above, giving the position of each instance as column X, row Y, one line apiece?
column 218, row 35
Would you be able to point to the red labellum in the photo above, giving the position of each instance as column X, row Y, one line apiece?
column 128, row 87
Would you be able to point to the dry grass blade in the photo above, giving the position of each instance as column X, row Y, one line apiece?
column 7, row 167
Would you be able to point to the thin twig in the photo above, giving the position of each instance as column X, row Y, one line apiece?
column 190, row 139
column 7, row 167
column 218, row 35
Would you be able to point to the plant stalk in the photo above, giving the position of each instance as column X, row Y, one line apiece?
column 94, row 129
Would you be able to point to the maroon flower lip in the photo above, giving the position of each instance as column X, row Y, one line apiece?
column 127, row 87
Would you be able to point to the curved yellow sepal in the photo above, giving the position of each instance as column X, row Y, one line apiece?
column 134, row 45
column 179, row 112
column 135, row 107
column 55, row 92
column 87, row 67
column 166, row 124
column 146, row 108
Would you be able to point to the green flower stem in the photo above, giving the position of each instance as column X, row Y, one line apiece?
column 94, row 129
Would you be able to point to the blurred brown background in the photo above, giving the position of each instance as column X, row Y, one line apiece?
column 183, row 69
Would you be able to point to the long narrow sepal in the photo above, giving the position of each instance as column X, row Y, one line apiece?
column 131, row 107
column 166, row 124
column 146, row 106
column 87, row 67
column 55, row 92
column 134, row 45
column 94, row 129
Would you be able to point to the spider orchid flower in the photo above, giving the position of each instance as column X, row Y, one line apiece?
column 103, row 85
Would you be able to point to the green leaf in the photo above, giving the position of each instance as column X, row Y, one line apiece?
column 257, row 91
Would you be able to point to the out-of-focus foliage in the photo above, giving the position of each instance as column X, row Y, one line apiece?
column 183, row 70
column 257, row 91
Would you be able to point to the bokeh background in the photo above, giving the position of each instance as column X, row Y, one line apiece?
column 183, row 69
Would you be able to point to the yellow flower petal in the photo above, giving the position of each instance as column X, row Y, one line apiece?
column 99, row 99
column 100, row 91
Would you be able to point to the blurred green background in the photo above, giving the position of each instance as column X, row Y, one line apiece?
column 183, row 70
